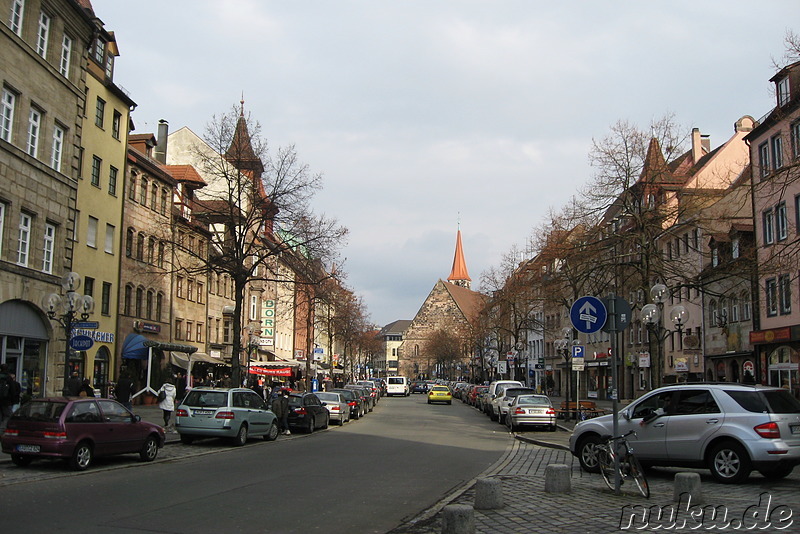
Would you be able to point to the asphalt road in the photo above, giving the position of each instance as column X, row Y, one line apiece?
column 367, row 476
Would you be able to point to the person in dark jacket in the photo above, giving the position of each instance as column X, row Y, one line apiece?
column 16, row 391
column 280, row 407
column 6, row 400
column 86, row 389
column 124, row 390
column 72, row 388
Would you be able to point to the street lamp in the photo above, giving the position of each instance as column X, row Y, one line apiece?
column 652, row 315
column 65, row 310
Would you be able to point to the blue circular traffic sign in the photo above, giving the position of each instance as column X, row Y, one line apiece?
column 588, row 315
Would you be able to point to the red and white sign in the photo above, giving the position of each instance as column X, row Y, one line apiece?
column 271, row 371
column 748, row 366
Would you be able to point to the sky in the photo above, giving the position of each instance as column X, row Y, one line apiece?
column 428, row 116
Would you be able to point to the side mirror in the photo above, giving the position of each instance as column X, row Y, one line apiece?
column 137, row 418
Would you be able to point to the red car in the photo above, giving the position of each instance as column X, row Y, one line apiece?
column 78, row 429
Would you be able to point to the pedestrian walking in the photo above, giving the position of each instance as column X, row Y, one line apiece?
column 72, row 387
column 124, row 390
column 6, row 401
column 16, row 391
column 166, row 401
column 280, row 407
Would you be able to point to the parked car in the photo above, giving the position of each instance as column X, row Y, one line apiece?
column 440, row 394
column 235, row 413
column 531, row 410
column 79, row 430
column 494, row 395
column 397, row 385
column 338, row 408
column 373, row 389
column 366, row 397
column 508, row 395
column 728, row 428
column 306, row 412
column 354, row 400
column 418, row 387
column 475, row 394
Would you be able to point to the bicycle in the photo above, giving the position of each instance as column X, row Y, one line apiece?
column 629, row 466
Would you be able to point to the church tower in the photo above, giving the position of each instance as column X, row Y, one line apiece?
column 459, row 275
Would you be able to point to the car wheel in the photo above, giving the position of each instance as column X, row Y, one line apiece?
column 186, row 439
column 729, row 463
column 20, row 460
column 241, row 436
column 149, row 449
column 774, row 473
column 587, row 453
column 81, row 457
column 272, row 433
column 493, row 416
column 429, row 401
column 553, row 428
column 312, row 425
column 449, row 402
column 327, row 421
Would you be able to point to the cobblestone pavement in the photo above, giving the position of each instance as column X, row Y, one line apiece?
column 592, row 507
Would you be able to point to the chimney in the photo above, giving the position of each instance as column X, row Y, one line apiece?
column 161, row 143
column 697, row 145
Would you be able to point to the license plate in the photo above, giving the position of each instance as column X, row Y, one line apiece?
column 794, row 429
column 202, row 412
column 27, row 448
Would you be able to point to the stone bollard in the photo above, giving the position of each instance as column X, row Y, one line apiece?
column 488, row 494
column 458, row 519
column 556, row 479
column 687, row 483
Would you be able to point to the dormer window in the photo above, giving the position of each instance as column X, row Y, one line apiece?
column 783, row 91
column 99, row 51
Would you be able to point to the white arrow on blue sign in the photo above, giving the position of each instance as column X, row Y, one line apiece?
column 588, row 315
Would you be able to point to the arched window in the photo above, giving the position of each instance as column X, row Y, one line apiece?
column 745, row 297
column 734, row 309
column 159, row 305
column 126, row 306
column 149, row 306
column 129, row 242
column 161, row 254
column 164, row 197
column 154, row 197
column 713, row 314
column 132, row 187
column 139, row 299
column 151, row 250
column 140, row 247
column 143, row 193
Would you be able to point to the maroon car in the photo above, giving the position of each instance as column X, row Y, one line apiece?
column 78, row 429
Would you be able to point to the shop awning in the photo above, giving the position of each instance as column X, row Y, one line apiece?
column 133, row 347
column 182, row 360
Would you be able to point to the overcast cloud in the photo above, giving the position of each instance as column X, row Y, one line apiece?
column 421, row 113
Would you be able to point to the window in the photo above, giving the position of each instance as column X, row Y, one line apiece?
column 179, row 287
column 159, row 306
column 91, row 232
column 96, row 164
column 189, row 331
column 771, row 296
column 110, row 229
column 99, row 51
column 2, row 225
column 763, row 158
column 23, row 241
column 795, row 135
column 139, row 301
column 769, row 227
column 66, row 53
column 190, row 290
column 132, row 187
column 713, row 313
column 143, row 192
column 140, row 247
column 781, row 224
column 129, row 242
column 783, row 91
column 199, row 338
column 88, row 286
column 109, row 66
column 745, row 306
column 105, row 299
column 15, row 21
column 113, row 172
column 777, row 152
column 179, row 329
column 126, row 303
column 161, row 254
column 734, row 309
column 99, row 112
column 253, row 307
column 785, row 294
column 200, row 297
column 164, row 197
column 116, row 121
column 151, row 251
column 735, row 250
column 226, row 331
column 42, row 34
column 49, row 241
column 715, row 256
column 149, row 305
column 34, row 124
column 7, row 114
column 58, row 147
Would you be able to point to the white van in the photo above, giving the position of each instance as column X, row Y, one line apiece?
column 397, row 385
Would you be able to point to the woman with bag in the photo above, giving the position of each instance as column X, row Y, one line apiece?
column 166, row 400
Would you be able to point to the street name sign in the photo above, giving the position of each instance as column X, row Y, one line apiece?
column 588, row 315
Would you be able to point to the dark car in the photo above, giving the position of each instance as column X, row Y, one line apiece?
column 381, row 385
column 366, row 396
column 78, row 429
column 354, row 400
column 306, row 412
column 418, row 387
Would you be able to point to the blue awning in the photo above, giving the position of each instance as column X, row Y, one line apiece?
column 133, row 347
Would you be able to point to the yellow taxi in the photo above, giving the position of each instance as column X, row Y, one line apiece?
column 440, row 394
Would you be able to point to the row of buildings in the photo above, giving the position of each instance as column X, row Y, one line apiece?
column 88, row 209
column 702, row 246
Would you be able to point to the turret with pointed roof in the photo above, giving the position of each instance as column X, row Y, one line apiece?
column 458, row 274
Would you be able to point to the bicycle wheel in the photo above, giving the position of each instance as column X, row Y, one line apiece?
column 605, row 462
column 636, row 472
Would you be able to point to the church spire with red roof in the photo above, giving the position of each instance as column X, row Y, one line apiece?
column 459, row 275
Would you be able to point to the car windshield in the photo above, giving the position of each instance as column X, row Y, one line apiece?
column 207, row 399
column 770, row 401
column 40, row 411
column 441, row 388
column 295, row 401
column 333, row 397
column 395, row 380
column 535, row 401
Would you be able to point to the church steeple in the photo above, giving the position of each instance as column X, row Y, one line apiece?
column 459, row 275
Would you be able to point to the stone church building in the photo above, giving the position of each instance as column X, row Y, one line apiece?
column 451, row 308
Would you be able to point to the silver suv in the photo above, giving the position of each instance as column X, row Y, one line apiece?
column 728, row 428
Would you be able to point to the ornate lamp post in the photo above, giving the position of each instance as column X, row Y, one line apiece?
column 653, row 314
column 65, row 310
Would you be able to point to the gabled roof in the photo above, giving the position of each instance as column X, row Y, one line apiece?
column 185, row 173
column 469, row 302
column 395, row 327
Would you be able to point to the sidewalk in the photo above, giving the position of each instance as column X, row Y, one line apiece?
column 153, row 414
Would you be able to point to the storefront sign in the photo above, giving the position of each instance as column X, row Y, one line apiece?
column 266, row 342
column 268, row 321
column 644, row 359
column 771, row 335
column 81, row 343
column 140, row 326
column 94, row 335
column 271, row 371
column 681, row 365
column 748, row 367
